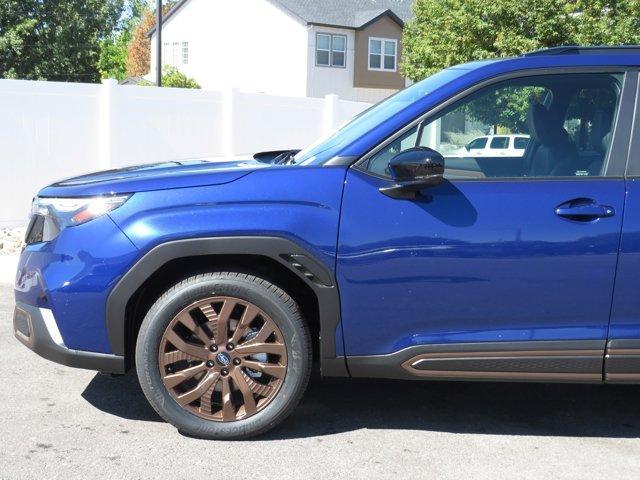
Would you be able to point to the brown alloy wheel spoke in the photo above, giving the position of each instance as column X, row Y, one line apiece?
column 257, row 388
column 184, row 346
column 277, row 371
column 256, row 348
column 176, row 379
column 222, row 326
column 264, row 333
column 191, row 324
column 249, row 314
column 177, row 355
column 188, row 397
column 231, row 376
column 205, row 400
column 247, row 394
column 228, row 410
column 212, row 317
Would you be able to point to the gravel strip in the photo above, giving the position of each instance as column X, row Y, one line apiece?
column 11, row 240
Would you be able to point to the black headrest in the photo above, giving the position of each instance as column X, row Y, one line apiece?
column 545, row 127
column 601, row 127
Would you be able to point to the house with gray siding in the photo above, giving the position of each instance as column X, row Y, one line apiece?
column 351, row 48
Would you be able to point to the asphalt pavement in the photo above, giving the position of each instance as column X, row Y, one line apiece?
column 58, row 422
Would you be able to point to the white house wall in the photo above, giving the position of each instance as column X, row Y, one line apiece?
column 250, row 45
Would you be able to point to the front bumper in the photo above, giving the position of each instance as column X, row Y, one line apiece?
column 37, row 329
column 71, row 277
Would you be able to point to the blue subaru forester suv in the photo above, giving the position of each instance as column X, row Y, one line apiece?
column 386, row 250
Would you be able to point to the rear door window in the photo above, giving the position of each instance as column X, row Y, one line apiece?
column 477, row 143
column 499, row 143
column 520, row 143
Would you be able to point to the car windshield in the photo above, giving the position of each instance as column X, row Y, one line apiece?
column 326, row 148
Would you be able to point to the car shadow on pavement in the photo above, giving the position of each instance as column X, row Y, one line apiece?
column 335, row 405
column 120, row 396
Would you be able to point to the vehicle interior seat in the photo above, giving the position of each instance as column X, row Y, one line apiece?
column 553, row 153
column 602, row 129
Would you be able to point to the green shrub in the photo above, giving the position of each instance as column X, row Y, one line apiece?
column 173, row 78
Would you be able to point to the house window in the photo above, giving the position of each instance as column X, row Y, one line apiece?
column 383, row 54
column 166, row 46
column 176, row 54
column 338, row 50
column 323, row 50
column 185, row 53
column 331, row 50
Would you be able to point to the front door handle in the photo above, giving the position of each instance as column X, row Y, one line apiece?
column 584, row 210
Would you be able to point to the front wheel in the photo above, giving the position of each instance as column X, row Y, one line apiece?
column 223, row 355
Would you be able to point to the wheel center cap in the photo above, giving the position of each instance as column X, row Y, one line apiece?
column 223, row 359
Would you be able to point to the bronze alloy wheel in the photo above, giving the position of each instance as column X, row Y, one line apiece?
column 222, row 359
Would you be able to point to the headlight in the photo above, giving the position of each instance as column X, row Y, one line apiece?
column 50, row 215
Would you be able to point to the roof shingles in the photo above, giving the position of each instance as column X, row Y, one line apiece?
column 345, row 13
column 336, row 13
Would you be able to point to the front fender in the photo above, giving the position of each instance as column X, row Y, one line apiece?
column 285, row 252
column 273, row 212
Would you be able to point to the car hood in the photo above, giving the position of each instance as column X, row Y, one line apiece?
column 159, row 176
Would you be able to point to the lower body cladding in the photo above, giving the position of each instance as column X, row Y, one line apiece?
column 529, row 361
column 540, row 361
column 622, row 361
column 37, row 329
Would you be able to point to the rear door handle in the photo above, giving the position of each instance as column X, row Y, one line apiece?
column 584, row 210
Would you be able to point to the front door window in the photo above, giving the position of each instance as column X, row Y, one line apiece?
column 542, row 126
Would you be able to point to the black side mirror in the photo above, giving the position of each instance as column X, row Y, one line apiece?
column 413, row 170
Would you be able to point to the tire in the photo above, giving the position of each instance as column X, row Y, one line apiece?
column 225, row 410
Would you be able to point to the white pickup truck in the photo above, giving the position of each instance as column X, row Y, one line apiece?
column 498, row 146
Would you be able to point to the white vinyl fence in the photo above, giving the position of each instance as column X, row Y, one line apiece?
column 50, row 131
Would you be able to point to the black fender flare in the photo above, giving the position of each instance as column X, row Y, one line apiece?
column 289, row 254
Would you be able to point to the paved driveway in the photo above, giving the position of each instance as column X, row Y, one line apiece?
column 63, row 423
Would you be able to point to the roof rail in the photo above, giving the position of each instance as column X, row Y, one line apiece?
column 593, row 50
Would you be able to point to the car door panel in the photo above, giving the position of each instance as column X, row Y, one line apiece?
column 502, row 274
column 474, row 261
column 622, row 360
column 501, row 166
column 622, row 363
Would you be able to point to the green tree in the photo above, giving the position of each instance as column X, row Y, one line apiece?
column 114, row 48
column 55, row 39
column 505, row 107
column 606, row 22
column 448, row 32
column 113, row 56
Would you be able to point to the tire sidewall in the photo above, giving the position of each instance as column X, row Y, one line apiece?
column 164, row 310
